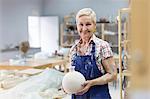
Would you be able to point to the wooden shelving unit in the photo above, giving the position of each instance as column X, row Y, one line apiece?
column 109, row 33
column 123, row 42
column 68, row 35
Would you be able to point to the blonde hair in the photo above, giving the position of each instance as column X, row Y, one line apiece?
column 86, row 12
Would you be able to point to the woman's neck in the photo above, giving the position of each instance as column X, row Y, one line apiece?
column 85, row 41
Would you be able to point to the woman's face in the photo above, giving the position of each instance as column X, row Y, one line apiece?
column 85, row 27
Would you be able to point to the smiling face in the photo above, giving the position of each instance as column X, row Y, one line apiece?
column 85, row 27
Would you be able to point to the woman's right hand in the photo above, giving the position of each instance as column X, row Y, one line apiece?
column 86, row 87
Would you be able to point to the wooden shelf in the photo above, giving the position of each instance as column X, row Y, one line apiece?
column 126, row 73
column 67, row 45
column 113, row 45
column 9, row 49
column 125, row 10
column 123, row 41
column 68, row 34
column 116, row 57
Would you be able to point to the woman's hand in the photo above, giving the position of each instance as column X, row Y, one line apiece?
column 86, row 87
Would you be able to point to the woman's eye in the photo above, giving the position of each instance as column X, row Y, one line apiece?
column 88, row 24
column 81, row 24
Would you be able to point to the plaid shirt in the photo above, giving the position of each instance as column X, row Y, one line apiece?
column 102, row 50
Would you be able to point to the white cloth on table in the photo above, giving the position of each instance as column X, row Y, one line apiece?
column 31, row 88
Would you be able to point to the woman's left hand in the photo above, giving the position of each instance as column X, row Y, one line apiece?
column 86, row 87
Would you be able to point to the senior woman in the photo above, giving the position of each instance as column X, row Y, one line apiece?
column 93, row 58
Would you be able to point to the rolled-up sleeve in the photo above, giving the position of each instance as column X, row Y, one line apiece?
column 106, row 51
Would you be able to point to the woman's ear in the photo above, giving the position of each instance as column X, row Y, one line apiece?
column 94, row 30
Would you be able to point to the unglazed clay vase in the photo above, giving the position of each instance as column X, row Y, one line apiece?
column 72, row 82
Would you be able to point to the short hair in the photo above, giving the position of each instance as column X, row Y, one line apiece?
column 86, row 12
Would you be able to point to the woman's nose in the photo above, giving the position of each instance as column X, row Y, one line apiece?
column 84, row 28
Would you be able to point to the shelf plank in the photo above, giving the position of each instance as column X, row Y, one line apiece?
column 126, row 73
column 125, row 10
column 115, row 45
column 125, row 41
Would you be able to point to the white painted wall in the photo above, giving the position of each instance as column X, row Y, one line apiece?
column 0, row 25
column 14, row 17
column 103, row 8
column 0, row 22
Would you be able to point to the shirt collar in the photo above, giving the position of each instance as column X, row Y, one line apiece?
column 91, row 39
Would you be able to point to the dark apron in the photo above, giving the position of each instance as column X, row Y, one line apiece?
column 88, row 67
